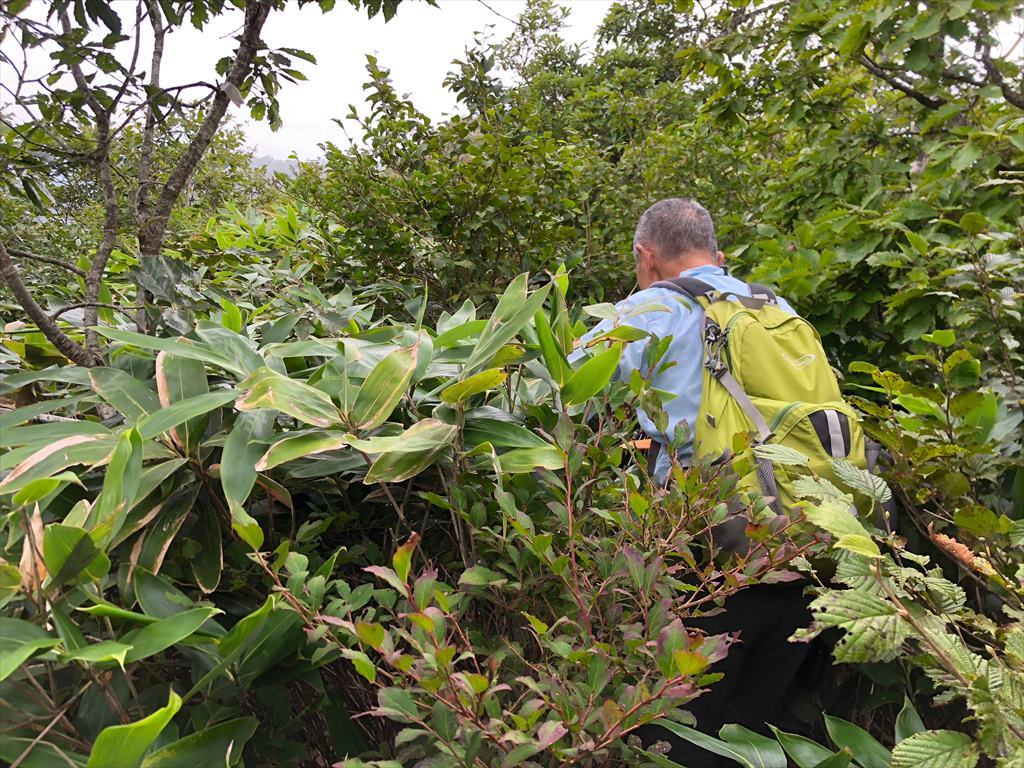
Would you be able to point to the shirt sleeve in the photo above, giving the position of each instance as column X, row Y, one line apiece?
column 633, row 352
column 783, row 304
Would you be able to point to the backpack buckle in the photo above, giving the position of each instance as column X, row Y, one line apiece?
column 716, row 367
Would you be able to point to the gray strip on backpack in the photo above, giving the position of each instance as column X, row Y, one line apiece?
column 766, row 479
column 835, row 433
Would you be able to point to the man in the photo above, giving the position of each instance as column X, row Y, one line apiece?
column 676, row 238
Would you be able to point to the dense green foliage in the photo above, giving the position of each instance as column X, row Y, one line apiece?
column 335, row 495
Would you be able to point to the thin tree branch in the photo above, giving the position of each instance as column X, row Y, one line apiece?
column 142, row 201
column 899, row 84
column 94, row 277
column 47, row 325
column 81, row 304
column 996, row 77
column 153, row 229
column 46, row 260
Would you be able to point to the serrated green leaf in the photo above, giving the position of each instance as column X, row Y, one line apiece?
column 935, row 749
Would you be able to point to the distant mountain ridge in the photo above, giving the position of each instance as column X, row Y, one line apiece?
column 272, row 165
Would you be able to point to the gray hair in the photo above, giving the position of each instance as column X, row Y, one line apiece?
column 676, row 226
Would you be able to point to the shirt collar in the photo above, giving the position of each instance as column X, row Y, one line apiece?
column 703, row 269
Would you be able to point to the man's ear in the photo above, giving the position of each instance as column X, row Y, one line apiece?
column 644, row 256
column 720, row 258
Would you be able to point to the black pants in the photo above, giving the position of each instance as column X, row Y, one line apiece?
column 758, row 670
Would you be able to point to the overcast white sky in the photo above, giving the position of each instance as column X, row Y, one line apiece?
column 417, row 45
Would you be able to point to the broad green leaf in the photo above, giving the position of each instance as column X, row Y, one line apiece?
column 689, row 663
column 42, row 434
column 161, row 635
column 125, row 745
column 51, row 459
column 142, row 511
column 396, row 466
column 835, row 518
column 501, row 434
column 235, row 642
column 185, row 412
column 908, row 722
column 397, row 703
column 421, row 436
column 514, row 310
column 861, row 480
column 231, row 316
column 238, row 470
column 838, row 760
column 822, row 489
column 401, row 561
column 272, row 644
column 124, row 392
column 935, row 749
column 554, row 358
column 873, row 628
column 238, row 635
column 761, row 751
column 781, row 454
column 20, row 641
column 11, row 419
column 104, row 651
column 219, row 745
column 919, row 243
column 103, row 608
column 237, row 348
column 480, row 576
column 159, row 534
column 480, row 382
column 860, row 545
column 458, row 333
column 268, row 389
column 591, row 377
column 370, row 633
column 973, row 222
column 383, row 388
column 120, row 486
column 982, row 418
column 208, row 563
column 10, row 582
column 805, row 752
column 942, row 337
column 364, row 666
column 37, row 490
column 520, row 460
column 866, row 750
column 70, row 553
column 300, row 445
column 965, row 157
column 180, row 347
column 709, row 743
column 180, row 378
column 161, row 599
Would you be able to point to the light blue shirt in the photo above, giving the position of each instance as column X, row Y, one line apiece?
column 682, row 322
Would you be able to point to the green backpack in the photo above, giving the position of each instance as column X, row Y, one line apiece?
column 765, row 373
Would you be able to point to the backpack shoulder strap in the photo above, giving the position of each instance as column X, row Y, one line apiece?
column 688, row 286
column 760, row 290
column 760, row 294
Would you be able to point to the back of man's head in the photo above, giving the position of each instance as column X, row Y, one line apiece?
column 676, row 227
